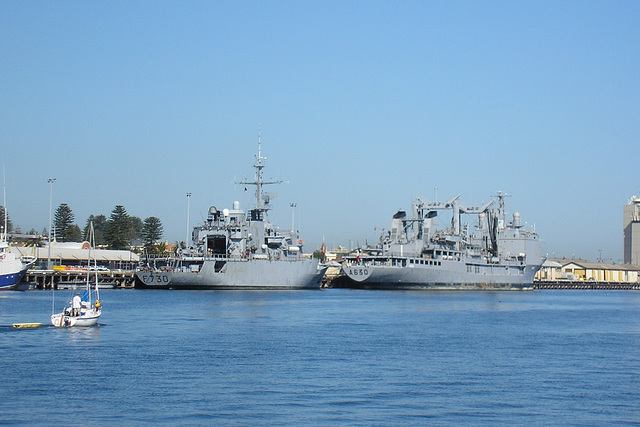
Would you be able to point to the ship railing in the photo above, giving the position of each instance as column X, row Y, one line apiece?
column 397, row 261
column 223, row 257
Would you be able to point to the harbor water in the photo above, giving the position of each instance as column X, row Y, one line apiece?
column 325, row 357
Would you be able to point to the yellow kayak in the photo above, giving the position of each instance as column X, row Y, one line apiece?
column 27, row 325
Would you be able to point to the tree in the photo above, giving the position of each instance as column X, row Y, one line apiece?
column 66, row 230
column 135, row 228
column 74, row 234
column 151, row 232
column 118, row 229
column 9, row 224
column 319, row 254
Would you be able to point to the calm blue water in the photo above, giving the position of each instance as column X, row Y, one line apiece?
column 326, row 357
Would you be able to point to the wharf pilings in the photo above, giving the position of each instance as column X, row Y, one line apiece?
column 47, row 279
column 586, row 284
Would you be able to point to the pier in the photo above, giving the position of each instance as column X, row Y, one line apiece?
column 47, row 279
column 586, row 284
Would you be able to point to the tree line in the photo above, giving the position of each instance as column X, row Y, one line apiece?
column 115, row 232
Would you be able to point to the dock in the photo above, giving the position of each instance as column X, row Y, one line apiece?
column 586, row 284
column 47, row 279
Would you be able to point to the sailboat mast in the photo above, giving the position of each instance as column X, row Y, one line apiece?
column 92, row 246
column 3, row 236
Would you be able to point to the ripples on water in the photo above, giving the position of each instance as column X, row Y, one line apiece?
column 326, row 357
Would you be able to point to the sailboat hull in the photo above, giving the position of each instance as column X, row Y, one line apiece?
column 88, row 318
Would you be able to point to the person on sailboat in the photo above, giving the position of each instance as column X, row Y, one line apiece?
column 76, row 304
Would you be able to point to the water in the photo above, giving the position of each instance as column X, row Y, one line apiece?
column 326, row 357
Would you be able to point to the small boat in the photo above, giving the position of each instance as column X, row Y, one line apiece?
column 26, row 325
column 81, row 310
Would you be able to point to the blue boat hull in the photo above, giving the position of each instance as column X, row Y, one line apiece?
column 10, row 282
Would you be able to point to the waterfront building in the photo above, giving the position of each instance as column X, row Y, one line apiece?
column 631, row 230
column 550, row 271
column 575, row 270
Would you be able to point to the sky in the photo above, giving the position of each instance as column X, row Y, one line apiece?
column 361, row 106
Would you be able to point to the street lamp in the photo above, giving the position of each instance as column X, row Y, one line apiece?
column 186, row 238
column 50, row 181
column 293, row 205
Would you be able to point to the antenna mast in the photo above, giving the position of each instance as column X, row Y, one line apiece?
column 259, row 165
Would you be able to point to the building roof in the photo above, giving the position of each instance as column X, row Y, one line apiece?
column 589, row 265
column 75, row 253
column 549, row 263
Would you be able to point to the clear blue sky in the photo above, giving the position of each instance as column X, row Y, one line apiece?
column 363, row 105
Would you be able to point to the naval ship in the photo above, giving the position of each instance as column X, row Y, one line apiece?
column 415, row 254
column 233, row 249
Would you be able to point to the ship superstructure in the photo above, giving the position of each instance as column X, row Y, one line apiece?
column 416, row 254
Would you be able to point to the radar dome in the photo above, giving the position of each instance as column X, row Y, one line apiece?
column 516, row 219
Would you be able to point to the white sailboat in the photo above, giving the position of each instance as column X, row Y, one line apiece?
column 83, row 311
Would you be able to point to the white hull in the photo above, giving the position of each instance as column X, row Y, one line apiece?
column 88, row 318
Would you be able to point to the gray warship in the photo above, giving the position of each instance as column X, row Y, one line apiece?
column 233, row 249
column 415, row 254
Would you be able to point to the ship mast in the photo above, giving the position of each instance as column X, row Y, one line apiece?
column 262, row 203
column 501, row 213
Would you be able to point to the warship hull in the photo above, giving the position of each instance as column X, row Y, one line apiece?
column 236, row 274
column 448, row 275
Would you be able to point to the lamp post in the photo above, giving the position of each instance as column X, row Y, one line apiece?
column 186, row 238
column 50, row 181
column 293, row 205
